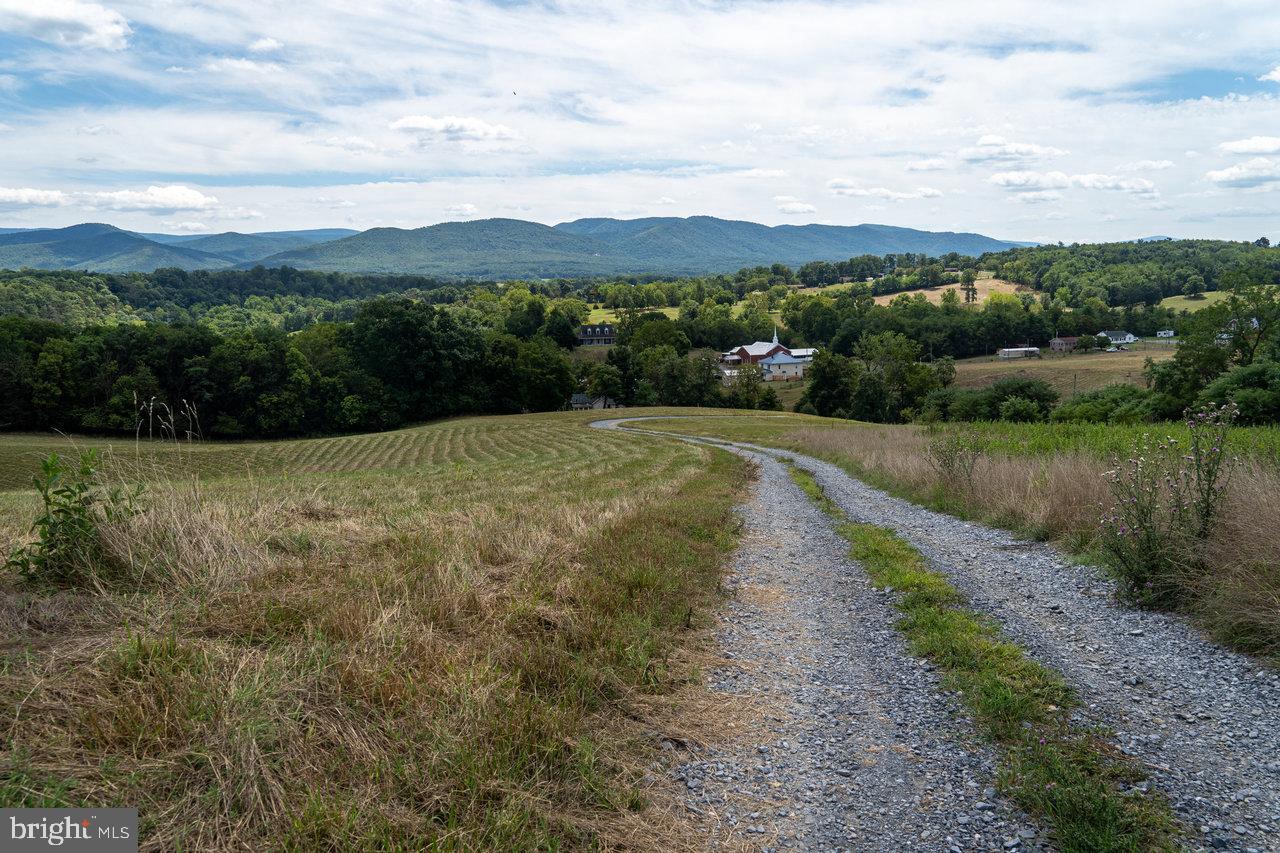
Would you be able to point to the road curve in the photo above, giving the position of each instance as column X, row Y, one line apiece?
column 1204, row 720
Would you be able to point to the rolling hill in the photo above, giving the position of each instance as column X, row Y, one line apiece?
column 485, row 248
column 98, row 247
column 704, row 243
column 248, row 247
column 504, row 248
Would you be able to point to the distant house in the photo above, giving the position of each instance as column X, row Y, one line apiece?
column 1117, row 337
column 782, row 366
column 597, row 335
column 582, row 402
column 1061, row 344
column 1166, row 333
column 1018, row 352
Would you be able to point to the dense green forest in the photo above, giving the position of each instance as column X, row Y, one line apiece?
column 274, row 352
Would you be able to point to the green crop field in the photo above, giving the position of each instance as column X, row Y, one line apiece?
column 454, row 635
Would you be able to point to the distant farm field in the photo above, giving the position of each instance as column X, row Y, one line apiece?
column 1186, row 303
column 1069, row 374
column 467, row 635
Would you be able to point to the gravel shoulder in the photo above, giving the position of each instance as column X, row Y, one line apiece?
column 1205, row 721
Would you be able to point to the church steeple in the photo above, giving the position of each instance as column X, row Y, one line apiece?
column 775, row 333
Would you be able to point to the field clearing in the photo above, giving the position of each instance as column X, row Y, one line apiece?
column 470, row 634
column 986, row 285
column 1186, row 303
column 1073, row 373
column 610, row 315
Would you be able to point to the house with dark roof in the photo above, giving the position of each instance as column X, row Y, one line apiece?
column 597, row 335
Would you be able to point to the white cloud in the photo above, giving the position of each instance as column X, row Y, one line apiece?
column 760, row 173
column 846, row 187
column 265, row 45
column 1028, row 181
column 1252, row 173
column 1036, row 196
column 1253, row 145
column 1145, row 166
column 158, row 199
column 460, row 211
column 929, row 164
column 455, row 128
column 71, row 23
column 666, row 199
column 186, row 227
column 1273, row 75
column 354, row 144
column 29, row 197
column 791, row 205
column 992, row 148
column 238, row 65
column 1133, row 186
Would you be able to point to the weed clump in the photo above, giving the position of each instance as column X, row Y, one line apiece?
column 69, row 549
column 954, row 455
column 1166, row 500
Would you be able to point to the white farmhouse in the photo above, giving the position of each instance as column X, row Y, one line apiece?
column 781, row 366
column 1118, row 337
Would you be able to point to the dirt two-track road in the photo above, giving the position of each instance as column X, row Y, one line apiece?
column 859, row 747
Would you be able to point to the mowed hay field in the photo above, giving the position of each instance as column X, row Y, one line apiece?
column 985, row 286
column 1073, row 373
column 467, row 635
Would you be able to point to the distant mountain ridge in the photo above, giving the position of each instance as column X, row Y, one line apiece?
column 487, row 248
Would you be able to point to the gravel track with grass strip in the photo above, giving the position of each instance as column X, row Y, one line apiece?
column 1204, row 721
column 859, row 747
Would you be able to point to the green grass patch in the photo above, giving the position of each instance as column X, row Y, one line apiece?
column 1071, row 779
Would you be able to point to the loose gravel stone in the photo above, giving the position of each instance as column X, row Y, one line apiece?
column 1204, row 721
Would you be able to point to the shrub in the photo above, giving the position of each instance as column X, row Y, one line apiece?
column 68, row 550
column 1111, row 404
column 954, row 454
column 1165, row 503
column 1254, row 388
column 1020, row 409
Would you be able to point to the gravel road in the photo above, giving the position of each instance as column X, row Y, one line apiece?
column 867, row 752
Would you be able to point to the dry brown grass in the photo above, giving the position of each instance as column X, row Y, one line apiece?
column 1074, row 373
column 1234, row 585
column 483, row 655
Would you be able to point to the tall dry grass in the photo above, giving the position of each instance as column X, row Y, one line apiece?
column 479, row 656
column 1233, row 580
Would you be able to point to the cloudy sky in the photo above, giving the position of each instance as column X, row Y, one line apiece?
column 1079, row 120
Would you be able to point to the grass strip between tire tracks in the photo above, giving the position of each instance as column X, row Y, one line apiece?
column 1070, row 777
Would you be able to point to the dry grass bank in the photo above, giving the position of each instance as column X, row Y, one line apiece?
column 480, row 651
